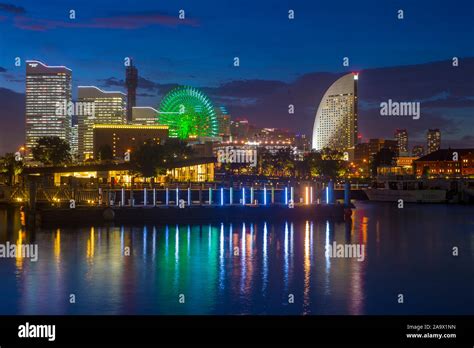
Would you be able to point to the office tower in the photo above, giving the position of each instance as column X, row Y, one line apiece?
column 131, row 83
column 401, row 136
column 144, row 115
column 433, row 139
column 418, row 151
column 223, row 119
column 48, row 93
column 335, row 124
column 99, row 107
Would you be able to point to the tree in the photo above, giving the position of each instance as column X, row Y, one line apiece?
column 52, row 151
column 148, row 160
column 384, row 157
column 151, row 159
column 10, row 167
column 105, row 153
column 176, row 150
column 326, row 163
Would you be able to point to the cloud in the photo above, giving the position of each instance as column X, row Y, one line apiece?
column 144, row 84
column 445, row 93
column 111, row 82
column 12, row 9
column 124, row 22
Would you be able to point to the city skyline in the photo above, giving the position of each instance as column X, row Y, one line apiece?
column 259, row 89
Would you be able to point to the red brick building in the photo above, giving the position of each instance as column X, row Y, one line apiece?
column 452, row 163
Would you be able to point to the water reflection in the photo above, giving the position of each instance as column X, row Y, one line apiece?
column 222, row 269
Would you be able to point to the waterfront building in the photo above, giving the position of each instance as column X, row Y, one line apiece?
column 418, row 151
column 106, row 107
column 433, row 140
column 144, row 115
column 403, row 166
column 47, row 89
column 131, row 83
column 401, row 136
column 335, row 124
column 126, row 137
column 199, row 169
column 446, row 163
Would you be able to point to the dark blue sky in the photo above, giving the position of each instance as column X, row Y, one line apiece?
column 199, row 50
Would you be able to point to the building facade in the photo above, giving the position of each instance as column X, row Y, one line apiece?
column 48, row 95
column 144, row 115
column 223, row 118
column 106, row 108
column 401, row 136
column 433, row 140
column 449, row 163
column 335, row 124
column 126, row 137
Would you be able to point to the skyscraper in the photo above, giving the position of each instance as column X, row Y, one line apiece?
column 433, row 139
column 335, row 124
column 131, row 82
column 107, row 108
column 48, row 92
column 401, row 136
column 223, row 118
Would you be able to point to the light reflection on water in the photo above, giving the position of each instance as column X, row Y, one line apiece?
column 246, row 268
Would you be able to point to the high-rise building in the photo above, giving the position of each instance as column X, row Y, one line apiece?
column 335, row 124
column 401, row 136
column 48, row 93
column 418, row 151
column 144, row 115
column 433, row 139
column 107, row 108
column 223, row 119
column 131, row 82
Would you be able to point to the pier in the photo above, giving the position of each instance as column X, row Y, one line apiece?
column 185, row 204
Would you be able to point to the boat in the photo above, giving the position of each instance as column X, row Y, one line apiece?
column 410, row 191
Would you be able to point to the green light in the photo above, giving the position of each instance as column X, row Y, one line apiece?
column 189, row 113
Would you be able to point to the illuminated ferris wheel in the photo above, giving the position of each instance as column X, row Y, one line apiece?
column 189, row 113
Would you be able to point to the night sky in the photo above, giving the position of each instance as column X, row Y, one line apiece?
column 282, row 61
